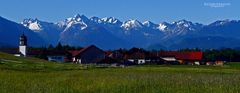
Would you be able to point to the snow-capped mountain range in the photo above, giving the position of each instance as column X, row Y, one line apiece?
column 111, row 33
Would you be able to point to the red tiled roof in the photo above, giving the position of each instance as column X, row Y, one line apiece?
column 74, row 52
column 183, row 55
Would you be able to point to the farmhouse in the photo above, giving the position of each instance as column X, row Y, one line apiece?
column 163, row 57
column 170, row 60
column 90, row 54
column 136, row 55
column 115, row 54
column 216, row 63
column 154, row 60
column 182, row 57
column 56, row 56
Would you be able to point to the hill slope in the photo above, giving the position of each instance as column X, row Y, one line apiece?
column 11, row 31
column 10, row 62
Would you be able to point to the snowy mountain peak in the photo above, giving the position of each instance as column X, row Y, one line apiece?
column 79, row 18
column 33, row 24
column 72, row 20
column 132, row 24
column 183, row 23
column 29, row 21
column 148, row 23
column 111, row 20
column 162, row 26
column 223, row 22
column 78, row 21
column 96, row 19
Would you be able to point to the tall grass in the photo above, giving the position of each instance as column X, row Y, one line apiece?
column 116, row 80
column 29, row 75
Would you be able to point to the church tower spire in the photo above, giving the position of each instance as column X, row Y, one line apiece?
column 23, row 45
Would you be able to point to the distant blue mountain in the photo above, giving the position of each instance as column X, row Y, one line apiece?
column 206, row 42
column 111, row 33
column 11, row 31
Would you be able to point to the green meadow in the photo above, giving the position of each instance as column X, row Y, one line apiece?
column 31, row 75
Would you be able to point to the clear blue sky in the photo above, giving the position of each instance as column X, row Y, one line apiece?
column 202, row 11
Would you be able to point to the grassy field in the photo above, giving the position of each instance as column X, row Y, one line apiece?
column 31, row 75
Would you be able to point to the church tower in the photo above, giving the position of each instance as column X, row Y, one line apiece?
column 23, row 45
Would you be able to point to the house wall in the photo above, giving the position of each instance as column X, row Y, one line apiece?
column 23, row 50
column 191, row 62
column 137, row 61
column 76, row 60
column 141, row 61
column 56, row 58
column 219, row 63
